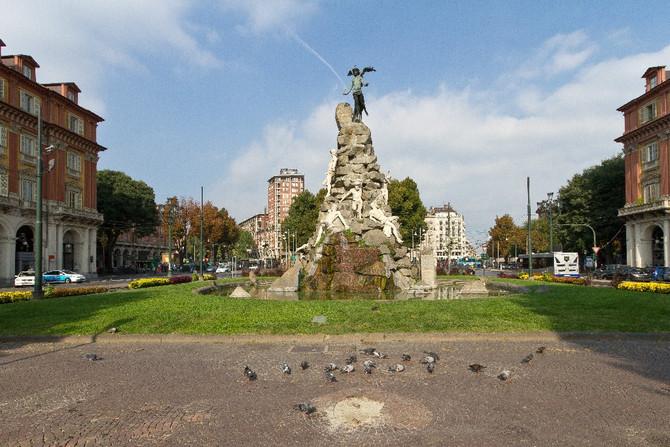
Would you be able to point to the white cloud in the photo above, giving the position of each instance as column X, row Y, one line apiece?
column 270, row 15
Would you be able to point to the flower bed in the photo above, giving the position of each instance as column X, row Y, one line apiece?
column 551, row 278
column 13, row 297
column 644, row 286
column 51, row 292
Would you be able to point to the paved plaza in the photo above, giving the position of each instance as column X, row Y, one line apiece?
column 584, row 390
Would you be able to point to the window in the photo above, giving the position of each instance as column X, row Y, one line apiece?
column 70, row 95
column 73, row 198
column 650, row 153
column 650, row 192
column 73, row 164
column 27, row 72
column 30, row 103
column 76, row 124
column 3, row 138
column 2, row 89
column 653, row 82
column 28, row 190
column 28, row 149
column 647, row 113
column 4, row 183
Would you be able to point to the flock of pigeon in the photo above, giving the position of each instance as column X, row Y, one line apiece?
column 429, row 360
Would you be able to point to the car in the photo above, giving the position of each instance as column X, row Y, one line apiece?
column 635, row 274
column 658, row 273
column 210, row 268
column 62, row 276
column 222, row 269
column 25, row 278
column 607, row 271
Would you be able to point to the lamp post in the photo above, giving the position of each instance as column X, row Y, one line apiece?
column 550, row 197
column 38, row 293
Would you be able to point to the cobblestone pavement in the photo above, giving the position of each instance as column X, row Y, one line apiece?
column 182, row 391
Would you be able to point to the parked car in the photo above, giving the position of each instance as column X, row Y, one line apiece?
column 635, row 274
column 222, row 269
column 25, row 278
column 62, row 276
column 608, row 271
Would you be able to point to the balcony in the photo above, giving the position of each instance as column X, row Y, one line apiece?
column 658, row 206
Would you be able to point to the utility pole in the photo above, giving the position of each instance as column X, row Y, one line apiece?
column 530, row 242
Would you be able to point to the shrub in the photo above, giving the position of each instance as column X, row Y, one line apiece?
column 208, row 277
column 195, row 277
column 13, row 297
column 180, row 279
column 148, row 282
column 644, row 286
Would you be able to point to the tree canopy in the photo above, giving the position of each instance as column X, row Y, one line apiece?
column 405, row 202
column 125, row 204
column 303, row 215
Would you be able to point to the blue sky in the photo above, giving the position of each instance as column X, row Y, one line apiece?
column 469, row 98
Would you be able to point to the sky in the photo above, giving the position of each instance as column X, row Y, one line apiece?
column 469, row 99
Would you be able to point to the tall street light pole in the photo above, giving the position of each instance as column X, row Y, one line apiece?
column 38, row 293
column 550, row 197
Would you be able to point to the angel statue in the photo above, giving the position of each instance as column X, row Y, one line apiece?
column 357, row 85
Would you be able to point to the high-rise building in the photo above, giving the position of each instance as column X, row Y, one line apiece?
column 282, row 189
column 646, row 152
column 69, row 182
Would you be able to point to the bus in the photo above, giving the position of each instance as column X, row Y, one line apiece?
column 562, row 264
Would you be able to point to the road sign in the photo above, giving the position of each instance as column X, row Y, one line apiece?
column 596, row 249
column 485, row 256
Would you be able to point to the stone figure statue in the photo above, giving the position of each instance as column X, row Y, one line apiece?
column 329, row 220
column 357, row 85
column 356, row 194
column 331, row 170
column 385, row 187
column 390, row 224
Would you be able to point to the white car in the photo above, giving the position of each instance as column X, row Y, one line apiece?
column 24, row 279
column 222, row 269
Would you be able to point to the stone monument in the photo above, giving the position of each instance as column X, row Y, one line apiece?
column 357, row 246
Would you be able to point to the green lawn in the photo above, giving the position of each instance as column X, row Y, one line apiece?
column 175, row 310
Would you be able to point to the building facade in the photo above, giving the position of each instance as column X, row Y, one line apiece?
column 446, row 231
column 646, row 152
column 282, row 189
column 69, row 183
column 256, row 225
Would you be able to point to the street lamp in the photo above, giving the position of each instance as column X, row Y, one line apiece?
column 38, row 293
column 550, row 197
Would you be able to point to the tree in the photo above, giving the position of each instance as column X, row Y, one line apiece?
column 125, row 204
column 303, row 215
column 593, row 198
column 405, row 202
column 506, row 238
column 244, row 245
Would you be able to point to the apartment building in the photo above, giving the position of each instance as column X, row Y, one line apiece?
column 645, row 148
column 446, row 231
column 69, row 188
column 282, row 189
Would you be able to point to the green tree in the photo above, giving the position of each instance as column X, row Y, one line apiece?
column 405, row 202
column 303, row 215
column 593, row 198
column 125, row 204
column 244, row 246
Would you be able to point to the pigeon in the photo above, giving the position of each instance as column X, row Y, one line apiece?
column 330, row 367
column 331, row 377
column 113, row 330
column 306, row 408
column 374, row 308
column 432, row 354
column 249, row 374
column 368, row 369
column 504, row 375
column 528, row 358
column 304, row 364
column 370, row 364
column 541, row 350
column 406, row 357
column 347, row 369
column 369, row 351
column 286, row 368
column 397, row 368
column 351, row 359
column 379, row 355
column 476, row 367
column 427, row 359
column 92, row 357
column 431, row 367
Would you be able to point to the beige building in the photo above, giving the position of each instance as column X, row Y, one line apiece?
column 446, row 232
column 282, row 189
column 69, row 184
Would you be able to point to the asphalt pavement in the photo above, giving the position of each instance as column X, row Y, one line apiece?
column 174, row 390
